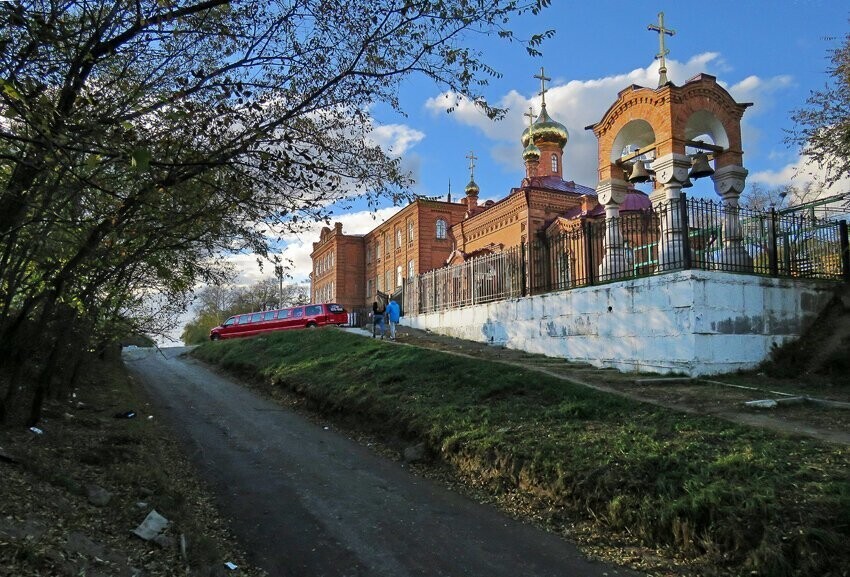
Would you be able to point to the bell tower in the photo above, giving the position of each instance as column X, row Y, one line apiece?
column 672, row 134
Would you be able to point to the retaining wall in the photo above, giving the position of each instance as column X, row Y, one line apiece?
column 693, row 322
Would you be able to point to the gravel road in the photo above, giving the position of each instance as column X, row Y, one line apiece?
column 307, row 501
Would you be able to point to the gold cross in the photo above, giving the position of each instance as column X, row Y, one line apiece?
column 472, row 158
column 543, row 78
column 662, row 51
column 530, row 115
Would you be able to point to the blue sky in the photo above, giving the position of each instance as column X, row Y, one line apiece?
column 768, row 53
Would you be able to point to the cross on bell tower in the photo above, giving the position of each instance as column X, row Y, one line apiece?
column 662, row 51
column 543, row 78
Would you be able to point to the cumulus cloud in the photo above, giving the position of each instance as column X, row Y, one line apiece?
column 800, row 173
column 580, row 103
column 396, row 139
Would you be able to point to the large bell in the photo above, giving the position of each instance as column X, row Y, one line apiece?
column 639, row 173
column 700, row 166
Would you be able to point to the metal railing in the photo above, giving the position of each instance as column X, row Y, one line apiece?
column 678, row 234
column 480, row 280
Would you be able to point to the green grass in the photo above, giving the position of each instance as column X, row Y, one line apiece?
column 739, row 499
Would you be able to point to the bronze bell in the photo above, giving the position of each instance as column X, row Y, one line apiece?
column 639, row 173
column 687, row 184
column 700, row 166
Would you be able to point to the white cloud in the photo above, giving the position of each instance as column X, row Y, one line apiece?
column 799, row 174
column 396, row 139
column 760, row 90
column 580, row 103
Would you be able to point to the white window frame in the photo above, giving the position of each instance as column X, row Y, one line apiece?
column 442, row 228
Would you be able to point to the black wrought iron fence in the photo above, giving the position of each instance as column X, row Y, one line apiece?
column 675, row 235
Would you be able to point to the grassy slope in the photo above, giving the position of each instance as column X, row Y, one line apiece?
column 735, row 497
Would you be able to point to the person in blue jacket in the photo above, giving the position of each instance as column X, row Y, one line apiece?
column 393, row 315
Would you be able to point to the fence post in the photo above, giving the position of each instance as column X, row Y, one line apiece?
column 523, row 273
column 434, row 290
column 588, row 251
column 845, row 250
column 685, row 224
column 773, row 248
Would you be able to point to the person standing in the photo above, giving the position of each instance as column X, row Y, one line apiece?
column 393, row 314
column 377, row 320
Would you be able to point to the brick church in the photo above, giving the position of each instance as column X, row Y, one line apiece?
column 645, row 128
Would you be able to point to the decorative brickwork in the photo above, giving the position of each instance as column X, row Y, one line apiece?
column 674, row 115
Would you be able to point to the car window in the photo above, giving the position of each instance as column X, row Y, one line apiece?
column 284, row 314
column 256, row 317
column 243, row 319
column 334, row 308
column 314, row 310
column 229, row 322
column 297, row 313
column 269, row 316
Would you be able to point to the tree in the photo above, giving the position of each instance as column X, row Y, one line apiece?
column 759, row 197
column 823, row 127
column 141, row 140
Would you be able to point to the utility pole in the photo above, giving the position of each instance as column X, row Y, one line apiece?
column 278, row 271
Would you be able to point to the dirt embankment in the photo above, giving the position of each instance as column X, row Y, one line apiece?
column 75, row 488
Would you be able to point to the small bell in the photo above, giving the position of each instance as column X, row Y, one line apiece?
column 700, row 166
column 639, row 173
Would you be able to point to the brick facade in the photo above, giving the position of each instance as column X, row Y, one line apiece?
column 338, row 261
column 672, row 115
column 351, row 269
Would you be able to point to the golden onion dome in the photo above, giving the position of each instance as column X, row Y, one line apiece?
column 472, row 189
column 531, row 152
column 547, row 130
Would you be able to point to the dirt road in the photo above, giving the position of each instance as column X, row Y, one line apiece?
column 307, row 501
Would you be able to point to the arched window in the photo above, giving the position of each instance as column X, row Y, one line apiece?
column 554, row 164
column 441, row 228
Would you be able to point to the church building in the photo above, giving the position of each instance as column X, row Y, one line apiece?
column 429, row 234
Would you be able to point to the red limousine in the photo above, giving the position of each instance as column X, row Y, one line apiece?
column 302, row 317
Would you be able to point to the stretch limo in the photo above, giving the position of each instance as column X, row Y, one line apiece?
column 307, row 316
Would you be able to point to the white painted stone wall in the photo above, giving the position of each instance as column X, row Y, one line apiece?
column 693, row 322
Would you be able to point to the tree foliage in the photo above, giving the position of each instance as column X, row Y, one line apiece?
column 823, row 126
column 141, row 140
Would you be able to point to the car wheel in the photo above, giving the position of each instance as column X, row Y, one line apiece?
column 215, row 337
column 311, row 325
